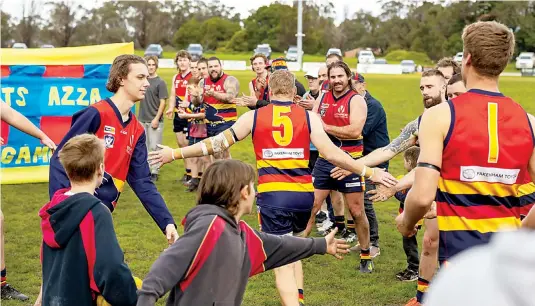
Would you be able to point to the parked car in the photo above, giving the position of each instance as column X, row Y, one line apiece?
column 458, row 57
column 47, row 46
column 525, row 60
column 263, row 49
column 154, row 49
column 408, row 66
column 291, row 54
column 335, row 51
column 380, row 61
column 19, row 46
column 195, row 50
column 366, row 57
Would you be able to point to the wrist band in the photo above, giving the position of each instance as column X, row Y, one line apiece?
column 363, row 172
column 173, row 154
column 428, row 165
column 369, row 176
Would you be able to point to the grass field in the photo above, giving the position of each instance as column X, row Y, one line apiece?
column 328, row 282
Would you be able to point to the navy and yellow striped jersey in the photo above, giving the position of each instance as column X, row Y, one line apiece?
column 281, row 138
column 484, row 185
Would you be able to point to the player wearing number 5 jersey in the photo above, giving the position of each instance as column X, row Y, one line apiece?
column 281, row 134
column 477, row 150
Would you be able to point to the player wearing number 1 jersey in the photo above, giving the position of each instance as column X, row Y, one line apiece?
column 281, row 133
column 477, row 150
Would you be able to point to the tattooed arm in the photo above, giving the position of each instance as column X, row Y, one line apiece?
column 232, row 88
column 405, row 140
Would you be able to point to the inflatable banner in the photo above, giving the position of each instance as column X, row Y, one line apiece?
column 48, row 86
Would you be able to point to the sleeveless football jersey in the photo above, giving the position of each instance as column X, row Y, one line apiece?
column 225, row 111
column 180, row 84
column 264, row 93
column 281, row 137
column 335, row 111
column 120, row 142
column 484, row 183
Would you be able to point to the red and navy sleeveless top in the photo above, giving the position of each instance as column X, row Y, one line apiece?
column 120, row 142
column 335, row 111
column 223, row 111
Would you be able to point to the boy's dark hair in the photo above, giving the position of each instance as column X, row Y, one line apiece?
column 411, row 156
column 81, row 157
column 222, row 183
column 120, row 69
column 455, row 78
column 203, row 60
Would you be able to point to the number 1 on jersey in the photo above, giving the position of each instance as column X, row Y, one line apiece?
column 284, row 138
column 494, row 147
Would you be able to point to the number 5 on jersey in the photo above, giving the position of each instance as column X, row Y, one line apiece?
column 285, row 137
column 494, row 147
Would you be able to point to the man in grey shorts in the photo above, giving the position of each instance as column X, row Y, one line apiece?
column 152, row 108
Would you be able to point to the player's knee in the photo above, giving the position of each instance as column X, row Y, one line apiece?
column 430, row 242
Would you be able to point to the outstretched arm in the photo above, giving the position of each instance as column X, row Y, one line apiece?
column 232, row 88
column 435, row 124
column 357, row 118
column 339, row 158
column 17, row 120
column 405, row 140
column 218, row 143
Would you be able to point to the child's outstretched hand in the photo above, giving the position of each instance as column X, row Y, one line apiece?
column 335, row 246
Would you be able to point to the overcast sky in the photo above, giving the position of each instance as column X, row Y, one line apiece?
column 14, row 7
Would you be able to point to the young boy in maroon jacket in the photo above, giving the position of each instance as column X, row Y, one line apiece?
column 211, row 263
column 81, row 257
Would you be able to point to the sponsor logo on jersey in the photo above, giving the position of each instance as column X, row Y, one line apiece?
column 109, row 129
column 489, row 175
column 341, row 112
column 283, row 153
column 108, row 141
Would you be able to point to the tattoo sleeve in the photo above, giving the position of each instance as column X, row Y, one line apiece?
column 405, row 140
column 232, row 88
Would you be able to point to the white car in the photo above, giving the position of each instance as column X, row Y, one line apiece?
column 525, row 60
column 19, row 46
column 366, row 57
column 335, row 51
column 291, row 54
column 408, row 66
column 458, row 57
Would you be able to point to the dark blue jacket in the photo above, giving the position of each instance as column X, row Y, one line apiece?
column 375, row 131
column 81, row 257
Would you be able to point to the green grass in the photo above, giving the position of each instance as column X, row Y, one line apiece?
column 327, row 281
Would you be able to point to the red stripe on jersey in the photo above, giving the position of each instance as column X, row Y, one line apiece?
column 64, row 71
column 281, row 178
column 203, row 252
column 352, row 148
column 255, row 249
column 476, row 212
column 87, row 229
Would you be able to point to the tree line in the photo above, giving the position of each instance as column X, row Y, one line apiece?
column 428, row 27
